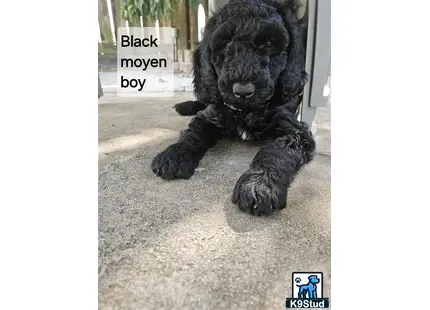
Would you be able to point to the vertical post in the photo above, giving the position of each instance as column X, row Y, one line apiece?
column 194, row 27
column 175, row 44
column 111, row 20
column 100, row 88
column 318, row 55
column 307, row 113
column 322, row 57
column 179, row 21
column 118, row 6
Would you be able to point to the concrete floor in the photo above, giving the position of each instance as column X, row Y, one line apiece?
column 182, row 244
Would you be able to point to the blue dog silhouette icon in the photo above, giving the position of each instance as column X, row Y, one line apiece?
column 309, row 290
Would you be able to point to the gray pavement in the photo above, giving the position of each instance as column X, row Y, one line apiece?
column 182, row 244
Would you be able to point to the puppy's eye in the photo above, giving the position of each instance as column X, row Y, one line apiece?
column 269, row 44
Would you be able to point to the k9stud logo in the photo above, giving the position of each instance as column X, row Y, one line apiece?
column 307, row 291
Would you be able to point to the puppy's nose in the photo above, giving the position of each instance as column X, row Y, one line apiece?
column 243, row 90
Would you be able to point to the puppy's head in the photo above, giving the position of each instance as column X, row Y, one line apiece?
column 250, row 50
column 248, row 54
column 314, row 279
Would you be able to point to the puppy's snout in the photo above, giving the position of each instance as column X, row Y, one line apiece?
column 243, row 90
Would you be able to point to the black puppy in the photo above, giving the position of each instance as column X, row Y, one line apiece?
column 248, row 79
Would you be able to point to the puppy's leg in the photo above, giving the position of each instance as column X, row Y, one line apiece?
column 263, row 188
column 188, row 108
column 179, row 160
column 313, row 293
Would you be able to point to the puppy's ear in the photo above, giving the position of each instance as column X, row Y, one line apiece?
column 294, row 77
column 205, row 78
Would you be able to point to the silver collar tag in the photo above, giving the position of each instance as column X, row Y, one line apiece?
column 231, row 107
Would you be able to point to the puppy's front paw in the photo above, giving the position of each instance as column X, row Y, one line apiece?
column 257, row 192
column 188, row 108
column 175, row 162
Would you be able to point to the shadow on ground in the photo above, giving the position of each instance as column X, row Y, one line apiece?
column 182, row 244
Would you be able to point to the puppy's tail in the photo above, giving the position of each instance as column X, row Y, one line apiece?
column 188, row 108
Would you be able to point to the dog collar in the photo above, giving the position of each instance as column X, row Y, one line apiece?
column 231, row 107
column 236, row 109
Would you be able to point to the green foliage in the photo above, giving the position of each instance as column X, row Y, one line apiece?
column 155, row 9
column 131, row 11
column 194, row 3
column 161, row 8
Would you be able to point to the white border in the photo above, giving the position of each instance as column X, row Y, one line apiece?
column 48, row 200
column 380, row 139
column 380, row 161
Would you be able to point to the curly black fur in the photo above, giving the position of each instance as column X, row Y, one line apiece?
column 261, row 42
